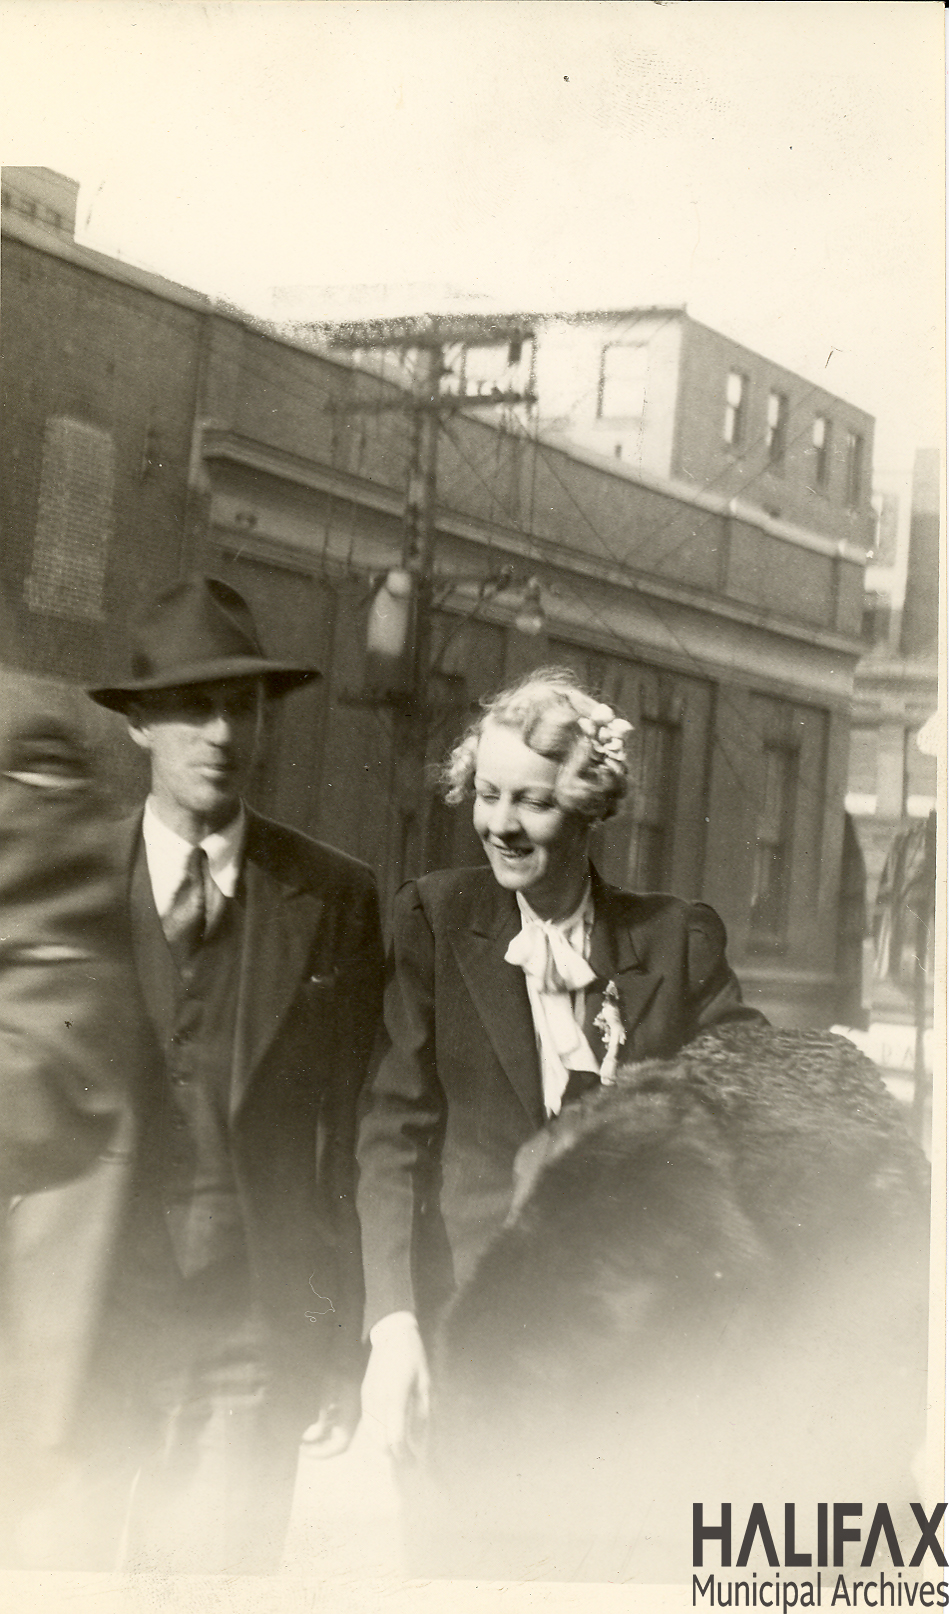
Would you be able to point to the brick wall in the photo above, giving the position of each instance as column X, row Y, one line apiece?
column 98, row 384
column 703, row 456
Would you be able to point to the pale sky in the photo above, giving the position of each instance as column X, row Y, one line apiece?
column 778, row 167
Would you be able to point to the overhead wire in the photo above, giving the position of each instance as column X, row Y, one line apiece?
column 304, row 395
column 704, row 488
column 651, row 603
column 608, row 628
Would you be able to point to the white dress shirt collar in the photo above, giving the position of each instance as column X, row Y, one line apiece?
column 167, row 854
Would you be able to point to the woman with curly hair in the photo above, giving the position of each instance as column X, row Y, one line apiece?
column 513, row 987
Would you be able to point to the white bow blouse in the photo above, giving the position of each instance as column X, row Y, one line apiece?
column 552, row 955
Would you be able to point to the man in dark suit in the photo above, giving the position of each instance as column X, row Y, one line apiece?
column 230, row 1318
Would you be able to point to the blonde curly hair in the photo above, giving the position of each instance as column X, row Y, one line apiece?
column 553, row 714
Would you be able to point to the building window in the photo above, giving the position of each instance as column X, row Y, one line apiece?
column 623, row 380
column 777, row 429
column 820, row 441
column 654, row 770
column 73, row 521
column 853, row 478
column 736, row 389
column 771, row 877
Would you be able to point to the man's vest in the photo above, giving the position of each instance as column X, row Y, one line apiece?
column 185, row 1143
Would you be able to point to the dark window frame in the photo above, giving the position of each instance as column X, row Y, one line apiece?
column 776, row 437
column 822, row 451
column 772, row 865
column 735, row 422
column 853, row 468
column 654, row 791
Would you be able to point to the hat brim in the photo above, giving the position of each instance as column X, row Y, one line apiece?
column 280, row 678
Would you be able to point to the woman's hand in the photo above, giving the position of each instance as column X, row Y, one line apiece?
column 395, row 1390
column 333, row 1430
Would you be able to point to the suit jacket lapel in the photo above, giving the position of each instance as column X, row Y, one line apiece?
column 280, row 921
column 500, row 995
column 614, row 957
column 156, row 971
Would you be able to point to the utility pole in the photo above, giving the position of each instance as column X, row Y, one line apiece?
column 411, row 719
column 419, row 546
column 428, row 337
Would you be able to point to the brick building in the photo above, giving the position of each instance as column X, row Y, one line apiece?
column 147, row 431
column 892, row 781
column 671, row 398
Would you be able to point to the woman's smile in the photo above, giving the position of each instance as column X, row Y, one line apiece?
column 532, row 844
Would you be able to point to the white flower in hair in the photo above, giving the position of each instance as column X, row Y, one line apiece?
column 606, row 733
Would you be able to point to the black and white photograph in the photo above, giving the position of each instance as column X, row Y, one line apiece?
column 472, row 806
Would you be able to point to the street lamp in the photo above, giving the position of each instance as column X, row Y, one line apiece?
column 393, row 675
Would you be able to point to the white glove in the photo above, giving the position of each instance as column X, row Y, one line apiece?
column 395, row 1390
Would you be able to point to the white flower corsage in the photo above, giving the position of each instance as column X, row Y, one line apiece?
column 606, row 733
column 609, row 1023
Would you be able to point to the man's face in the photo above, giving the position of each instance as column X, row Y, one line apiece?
column 201, row 740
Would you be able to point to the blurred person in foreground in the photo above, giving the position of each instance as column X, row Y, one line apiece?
column 512, row 989
column 712, row 1288
column 229, row 1320
column 70, row 1054
column 64, row 971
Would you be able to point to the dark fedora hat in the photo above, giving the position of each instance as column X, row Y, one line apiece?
column 199, row 632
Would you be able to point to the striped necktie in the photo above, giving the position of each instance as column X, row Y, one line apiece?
column 184, row 923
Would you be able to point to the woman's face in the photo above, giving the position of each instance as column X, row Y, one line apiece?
column 533, row 845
